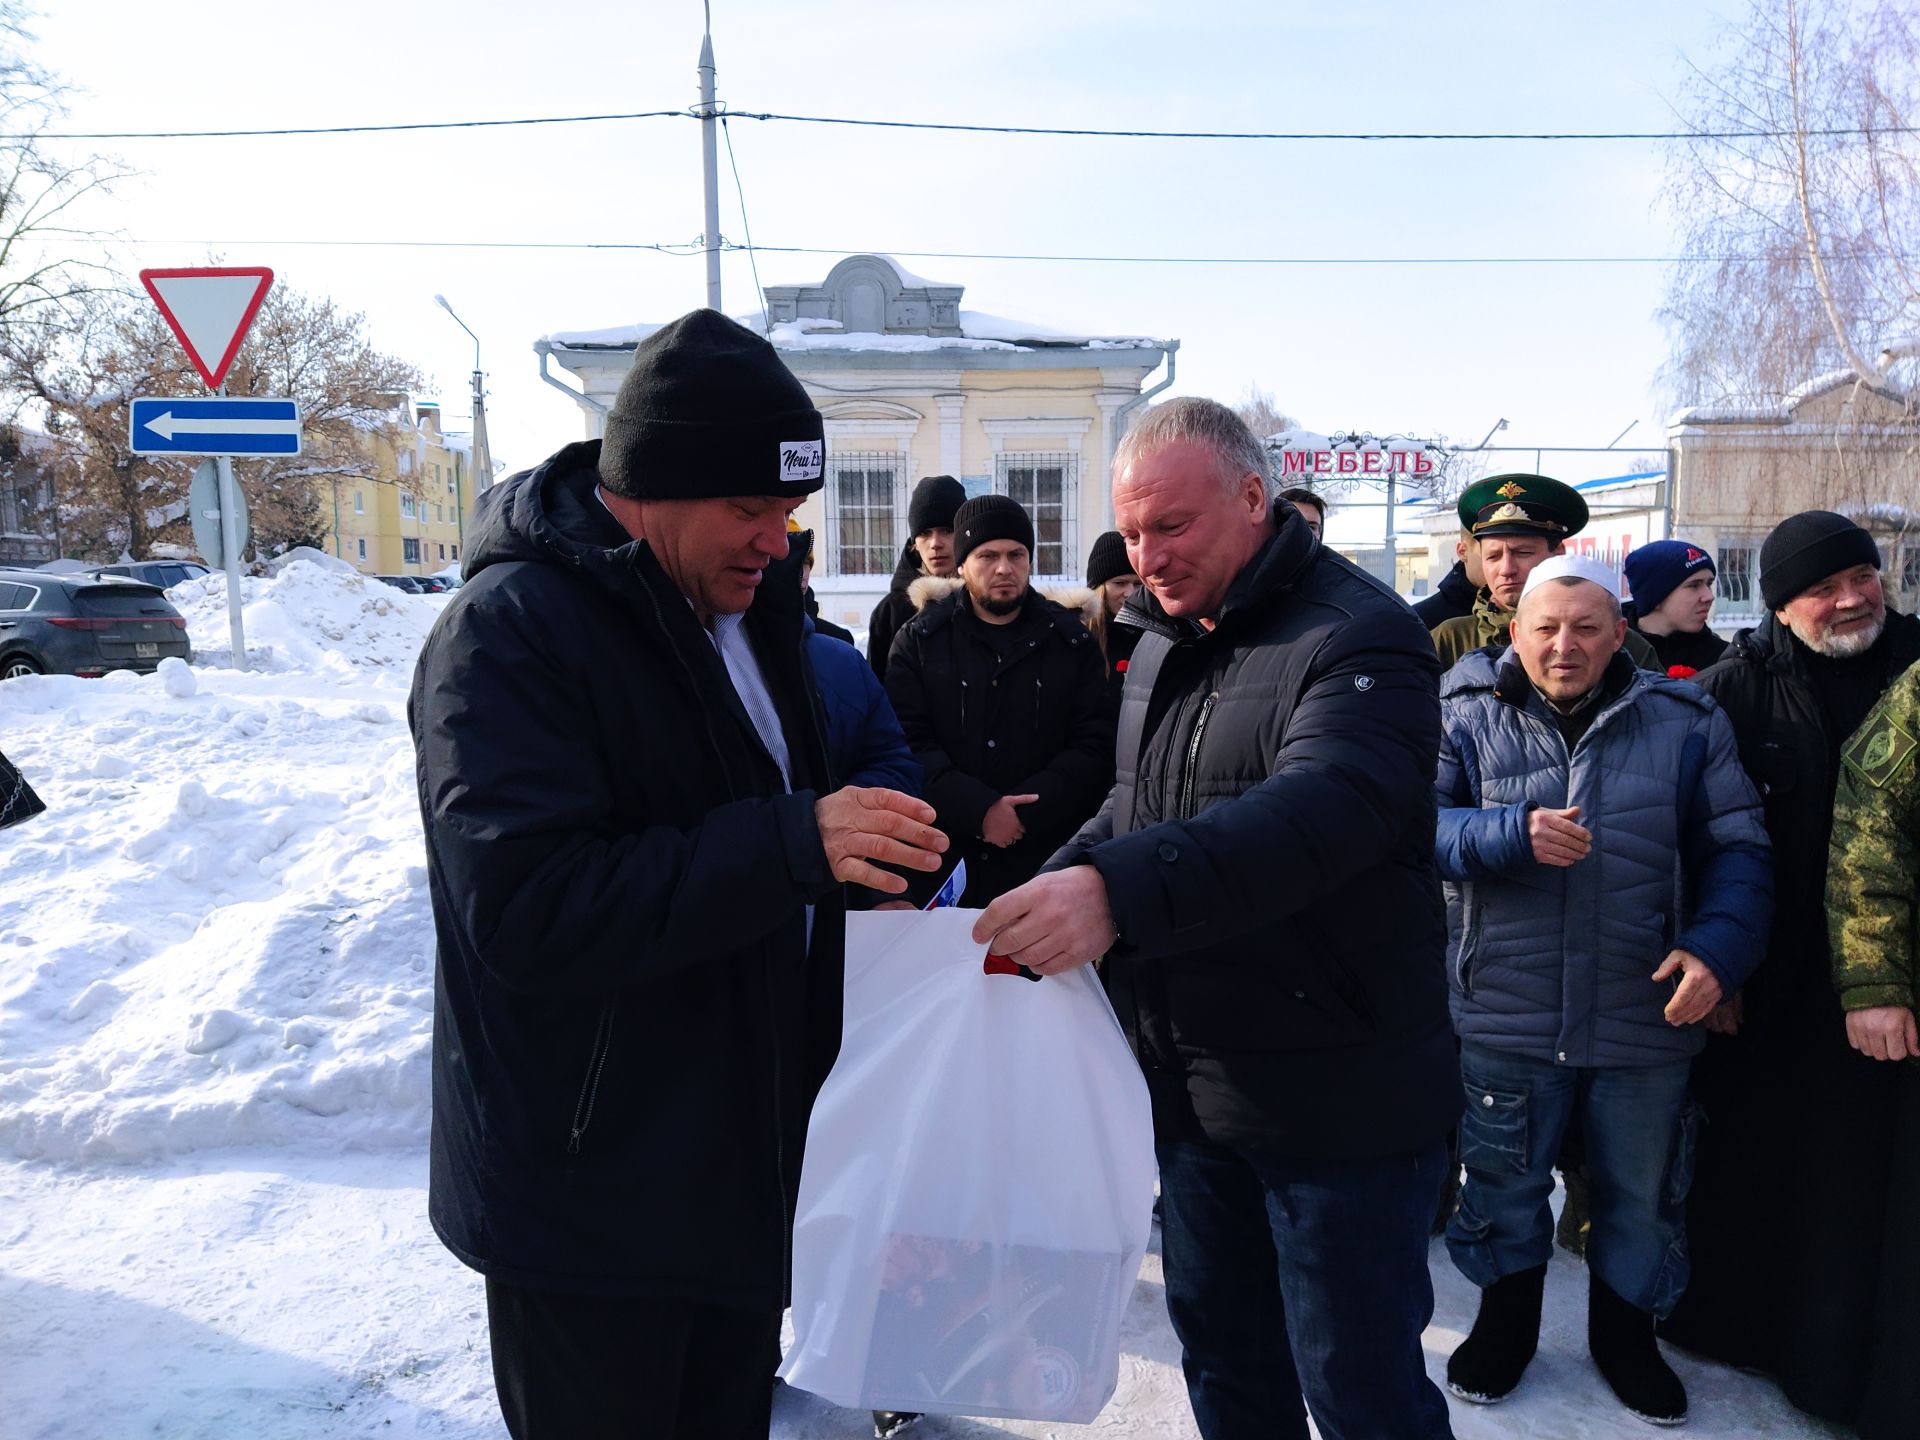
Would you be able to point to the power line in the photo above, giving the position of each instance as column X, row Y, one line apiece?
column 1072, row 132
column 758, row 288
column 691, row 248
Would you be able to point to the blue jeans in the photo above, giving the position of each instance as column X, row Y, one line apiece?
column 1640, row 1130
column 1301, row 1285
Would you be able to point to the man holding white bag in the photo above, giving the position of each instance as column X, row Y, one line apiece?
column 1261, row 884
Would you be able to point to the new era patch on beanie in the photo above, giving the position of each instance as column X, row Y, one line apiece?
column 710, row 410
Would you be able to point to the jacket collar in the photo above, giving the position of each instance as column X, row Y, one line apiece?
column 1512, row 686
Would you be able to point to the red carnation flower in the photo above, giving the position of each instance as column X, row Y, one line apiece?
column 1681, row 672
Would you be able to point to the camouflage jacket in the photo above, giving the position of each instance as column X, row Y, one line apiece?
column 1873, row 870
column 1490, row 624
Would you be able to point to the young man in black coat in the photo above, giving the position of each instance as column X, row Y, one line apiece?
column 1261, row 883
column 928, row 551
column 1789, row 1199
column 1003, row 695
column 637, row 899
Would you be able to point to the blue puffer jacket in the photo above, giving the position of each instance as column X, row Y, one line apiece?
column 1554, row 963
column 865, row 744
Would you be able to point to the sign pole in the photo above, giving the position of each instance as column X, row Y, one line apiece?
column 230, row 552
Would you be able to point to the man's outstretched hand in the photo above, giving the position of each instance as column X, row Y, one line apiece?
column 859, row 826
column 1052, row 923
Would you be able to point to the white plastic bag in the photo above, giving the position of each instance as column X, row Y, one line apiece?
column 978, row 1186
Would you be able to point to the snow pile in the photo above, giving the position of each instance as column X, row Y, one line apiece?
column 219, row 932
column 215, row 1016
column 310, row 616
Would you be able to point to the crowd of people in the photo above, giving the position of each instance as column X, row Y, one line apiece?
column 1402, row 909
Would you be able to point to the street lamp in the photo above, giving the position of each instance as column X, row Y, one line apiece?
column 482, row 463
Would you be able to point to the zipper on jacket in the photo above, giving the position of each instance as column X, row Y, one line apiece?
column 590, row 1086
column 1193, row 754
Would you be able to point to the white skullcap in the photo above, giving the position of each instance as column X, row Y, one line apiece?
column 1572, row 567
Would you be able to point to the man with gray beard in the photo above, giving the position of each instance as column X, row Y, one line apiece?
column 1787, row 1211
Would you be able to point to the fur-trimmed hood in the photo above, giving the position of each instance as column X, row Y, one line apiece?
column 1076, row 598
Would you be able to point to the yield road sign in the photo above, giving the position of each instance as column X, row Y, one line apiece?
column 210, row 309
column 215, row 425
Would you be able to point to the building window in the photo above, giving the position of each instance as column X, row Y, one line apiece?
column 863, row 521
column 410, row 551
column 1048, row 486
column 456, row 552
column 1737, row 566
column 359, row 505
column 362, row 542
column 443, row 552
column 439, row 514
column 1909, row 570
column 408, row 510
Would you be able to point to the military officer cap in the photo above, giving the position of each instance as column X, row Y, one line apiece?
column 1521, row 505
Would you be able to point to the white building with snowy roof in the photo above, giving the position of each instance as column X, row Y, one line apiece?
column 910, row 385
column 1835, row 443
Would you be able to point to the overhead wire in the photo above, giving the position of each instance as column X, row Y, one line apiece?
column 963, row 127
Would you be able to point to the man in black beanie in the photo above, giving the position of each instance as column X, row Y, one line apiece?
column 1787, row 1211
column 1003, row 696
column 928, row 551
column 636, row 891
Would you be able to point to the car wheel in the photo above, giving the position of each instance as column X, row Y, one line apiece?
column 14, row 666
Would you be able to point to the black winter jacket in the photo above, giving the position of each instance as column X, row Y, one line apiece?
column 1268, row 855
column 1038, row 722
column 630, row 1024
column 1452, row 597
column 1790, row 740
column 895, row 609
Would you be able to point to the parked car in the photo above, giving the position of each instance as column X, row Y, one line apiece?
column 409, row 583
column 164, row 573
column 83, row 625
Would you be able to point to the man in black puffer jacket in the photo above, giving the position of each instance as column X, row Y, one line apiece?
column 636, row 899
column 1261, row 882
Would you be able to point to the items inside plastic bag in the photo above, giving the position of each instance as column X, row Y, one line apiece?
column 978, row 1186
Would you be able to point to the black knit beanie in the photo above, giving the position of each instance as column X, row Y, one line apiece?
column 990, row 517
column 935, row 500
column 1107, row 559
column 709, row 410
column 1805, row 549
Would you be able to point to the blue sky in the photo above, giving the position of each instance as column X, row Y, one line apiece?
column 1567, row 353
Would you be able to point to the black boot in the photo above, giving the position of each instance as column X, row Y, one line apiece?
column 1491, row 1360
column 1620, row 1338
column 892, row 1422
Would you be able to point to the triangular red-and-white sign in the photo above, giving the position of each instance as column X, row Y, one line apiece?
column 210, row 309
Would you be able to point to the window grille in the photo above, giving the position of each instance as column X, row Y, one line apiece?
column 1048, row 485
column 1737, row 569
column 410, row 551
column 865, row 517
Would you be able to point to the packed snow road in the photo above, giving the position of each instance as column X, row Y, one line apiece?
column 215, row 1011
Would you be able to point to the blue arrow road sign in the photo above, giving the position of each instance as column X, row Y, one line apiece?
column 215, row 425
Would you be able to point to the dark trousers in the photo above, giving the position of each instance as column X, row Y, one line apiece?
column 1301, row 1285
column 593, row 1367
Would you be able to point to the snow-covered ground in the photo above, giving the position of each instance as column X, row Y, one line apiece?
column 215, row 1009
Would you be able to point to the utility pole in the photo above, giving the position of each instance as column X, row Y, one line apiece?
column 710, row 164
